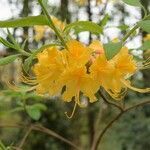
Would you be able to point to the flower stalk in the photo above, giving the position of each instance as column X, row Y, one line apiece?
column 51, row 24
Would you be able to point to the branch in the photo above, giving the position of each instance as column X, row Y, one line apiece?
column 137, row 105
column 52, row 133
column 25, row 137
column 108, row 102
column 100, row 136
column 41, row 129
column 108, row 126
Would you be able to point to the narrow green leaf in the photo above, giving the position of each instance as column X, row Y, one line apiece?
column 8, row 59
column 27, row 63
column 6, row 43
column 2, row 146
column 24, row 43
column 145, row 25
column 123, row 27
column 10, row 36
column 33, row 112
column 133, row 3
column 81, row 26
column 146, row 45
column 15, row 43
column 24, row 22
column 104, row 21
column 111, row 49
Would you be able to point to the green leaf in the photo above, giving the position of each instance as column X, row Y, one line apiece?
column 2, row 147
column 27, row 63
column 6, row 43
column 10, row 36
column 123, row 27
column 40, row 106
column 146, row 45
column 24, row 22
column 111, row 49
column 133, row 3
column 24, row 43
column 145, row 25
column 8, row 59
column 104, row 20
column 81, row 26
column 33, row 112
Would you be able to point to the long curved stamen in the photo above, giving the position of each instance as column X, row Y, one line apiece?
column 78, row 99
column 28, row 81
column 117, row 96
column 148, row 59
column 127, row 84
column 73, row 111
column 11, row 86
column 17, row 89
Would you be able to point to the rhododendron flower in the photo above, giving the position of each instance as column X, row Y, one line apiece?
column 75, row 77
column 67, row 68
column 113, row 75
column 48, row 69
column 70, row 69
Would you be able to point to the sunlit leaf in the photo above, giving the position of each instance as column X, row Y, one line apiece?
column 146, row 45
column 145, row 25
column 123, row 27
column 111, row 49
column 81, row 26
column 104, row 20
column 133, row 2
column 24, row 22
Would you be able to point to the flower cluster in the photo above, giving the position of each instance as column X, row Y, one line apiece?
column 83, row 70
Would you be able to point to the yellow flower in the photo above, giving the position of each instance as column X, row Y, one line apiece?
column 75, row 77
column 96, row 47
column 47, row 71
column 147, row 37
column 56, row 69
column 40, row 30
column 113, row 75
column 59, row 24
column 77, row 80
column 77, row 53
column 69, row 70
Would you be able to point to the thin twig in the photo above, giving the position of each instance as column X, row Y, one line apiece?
column 25, row 137
column 52, row 133
column 101, row 134
column 39, row 128
column 108, row 102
